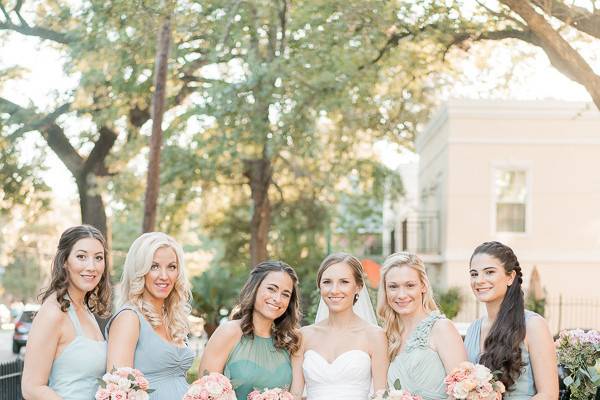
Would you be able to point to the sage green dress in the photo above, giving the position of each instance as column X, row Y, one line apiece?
column 419, row 367
column 255, row 363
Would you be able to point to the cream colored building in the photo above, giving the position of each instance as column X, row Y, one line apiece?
column 526, row 173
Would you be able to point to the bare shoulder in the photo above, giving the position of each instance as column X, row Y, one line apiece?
column 536, row 325
column 50, row 312
column 308, row 331
column 228, row 331
column 127, row 318
column 443, row 326
column 374, row 330
column 444, row 334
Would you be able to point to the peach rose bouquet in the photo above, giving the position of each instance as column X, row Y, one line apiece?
column 213, row 386
column 123, row 383
column 270, row 394
column 473, row 382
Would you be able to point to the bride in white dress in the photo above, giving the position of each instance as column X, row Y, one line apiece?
column 344, row 354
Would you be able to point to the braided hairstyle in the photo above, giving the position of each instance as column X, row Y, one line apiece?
column 501, row 349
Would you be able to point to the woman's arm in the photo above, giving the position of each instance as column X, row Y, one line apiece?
column 42, row 344
column 379, row 359
column 446, row 340
column 122, row 340
column 219, row 346
column 542, row 356
column 297, row 388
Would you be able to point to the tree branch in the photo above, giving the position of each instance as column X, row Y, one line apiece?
column 36, row 31
column 95, row 161
column 23, row 116
column 393, row 41
column 227, row 32
column 577, row 17
column 558, row 49
column 59, row 143
column 283, row 25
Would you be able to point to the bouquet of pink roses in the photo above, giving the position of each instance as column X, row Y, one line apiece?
column 395, row 393
column 123, row 383
column 473, row 382
column 270, row 394
column 213, row 386
column 579, row 353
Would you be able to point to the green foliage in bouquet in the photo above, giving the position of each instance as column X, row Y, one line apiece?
column 579, row 353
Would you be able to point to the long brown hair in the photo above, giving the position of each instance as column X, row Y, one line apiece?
column 285, row 331
column 98, row 299
column 502, row 347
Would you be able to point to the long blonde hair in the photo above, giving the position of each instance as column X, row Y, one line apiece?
column 392, row 323
column 177, row 306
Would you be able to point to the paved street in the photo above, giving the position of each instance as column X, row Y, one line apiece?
column 6, row 346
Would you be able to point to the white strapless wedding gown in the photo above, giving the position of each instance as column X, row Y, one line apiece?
column 348, row 377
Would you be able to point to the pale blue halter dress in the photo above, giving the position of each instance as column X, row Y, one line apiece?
column 419, row 367
column 75, row 371
column 163, row 364
column 524, row 387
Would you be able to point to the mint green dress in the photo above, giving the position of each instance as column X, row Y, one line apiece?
column 75, row 372
column 524, row 387
column 419, row 367
column 255, row 363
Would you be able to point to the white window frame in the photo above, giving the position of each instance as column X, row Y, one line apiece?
column 525, row 166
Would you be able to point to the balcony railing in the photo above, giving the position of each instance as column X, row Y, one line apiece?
column 421, row 234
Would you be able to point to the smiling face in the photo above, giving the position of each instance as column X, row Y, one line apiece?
column 273, row 295
column 489, row 280
column 160, row 280
column 404, row 290
column 338, row 287
column 85, row 264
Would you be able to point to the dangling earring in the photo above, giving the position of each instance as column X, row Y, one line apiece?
column 356, row 297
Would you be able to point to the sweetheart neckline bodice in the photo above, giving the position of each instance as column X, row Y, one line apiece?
column 347, row 377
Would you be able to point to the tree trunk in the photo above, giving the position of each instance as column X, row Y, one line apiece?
column 158, row 107
column 259, row 174
column 91, row 204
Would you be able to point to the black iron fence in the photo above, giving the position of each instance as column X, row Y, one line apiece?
column 10, row 380
column 561, row 312
column 421, row 234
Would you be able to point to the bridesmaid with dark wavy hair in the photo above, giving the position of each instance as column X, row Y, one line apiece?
column 66, row 352
column 510, row 339
column 254, row 348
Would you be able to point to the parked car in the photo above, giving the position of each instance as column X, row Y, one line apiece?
column 22, row 327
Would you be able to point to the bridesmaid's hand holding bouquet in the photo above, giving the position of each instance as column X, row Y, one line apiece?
column 213, row 386
column 270, row 394
column 395, row 393
column 473, row 382
column 123, row 383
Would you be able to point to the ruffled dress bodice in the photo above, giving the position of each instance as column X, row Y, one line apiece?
column 419, row 367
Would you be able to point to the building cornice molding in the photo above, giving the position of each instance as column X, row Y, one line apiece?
column 527, row 141
column 523, row 109
column 544, row 110
column 536, row 257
